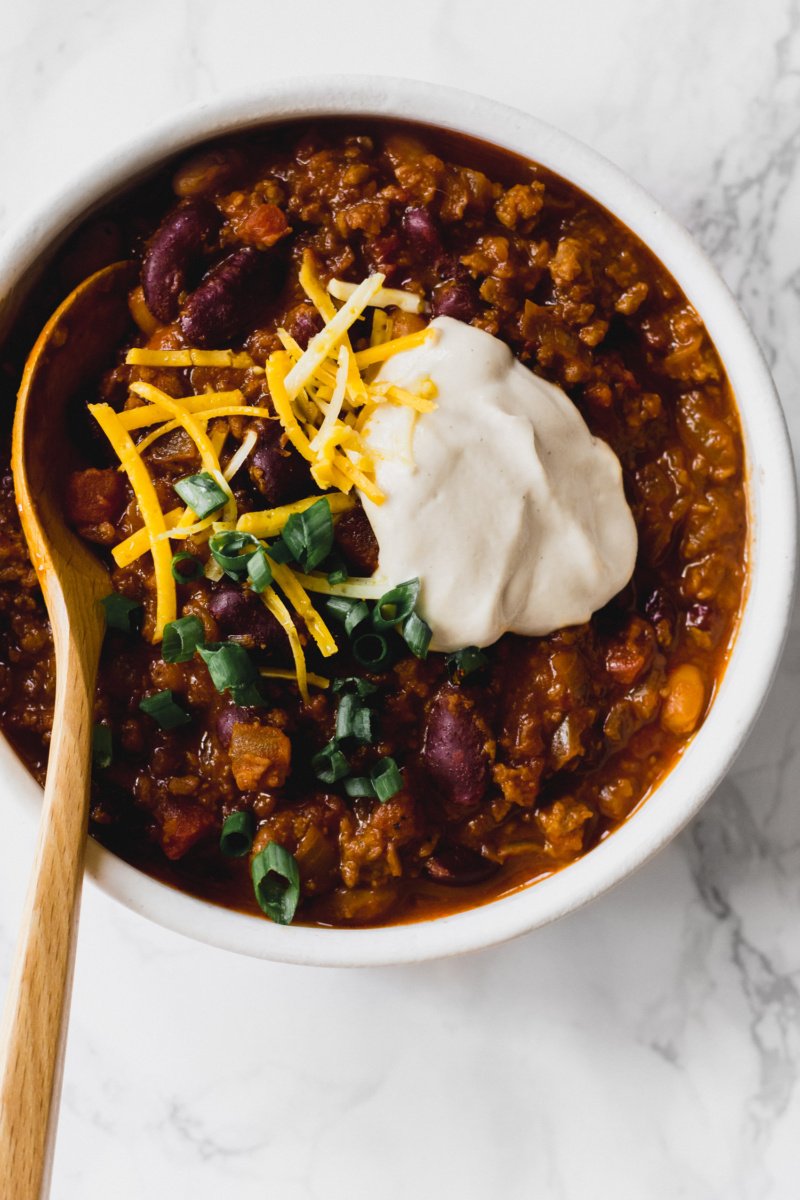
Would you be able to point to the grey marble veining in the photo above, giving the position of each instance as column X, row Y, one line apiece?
column 647, row 1047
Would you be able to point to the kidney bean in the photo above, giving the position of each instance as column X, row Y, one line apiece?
column 277, row 470
column 450, row 268
column 422, row 232
column 663, row 616
column 175, row 249
column 458, row 866
column 240, row 613
column 227, row 298
column 354, row 537
column 235, row 715
column 457, row 300
column 303, row 322
column 455, row 749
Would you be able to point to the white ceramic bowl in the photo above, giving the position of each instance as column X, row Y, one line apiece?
column 771, row 495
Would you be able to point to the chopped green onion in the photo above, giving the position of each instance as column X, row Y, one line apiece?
column 183, row 556
column 345, row 714
column 358, row 614
column 386, row 779
column 350, row 612
column 237, row 835
column 463, row 662
column 362, row 687
column 231, row 668
column 417, row 634
column 337, row 569
column 395, row 606
column 102, row 748
column 309, row 534
column 276, row 881
column 181, row 639
column 372, row 650
column 365, row 725
column 330, row 764
column 163, row 709
column 201, row 493
column 279, row 552
column 359, row 785
column 227, row 547
column 118, row 611
column 258, row 570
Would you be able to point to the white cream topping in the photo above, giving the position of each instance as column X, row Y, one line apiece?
column 511, row 513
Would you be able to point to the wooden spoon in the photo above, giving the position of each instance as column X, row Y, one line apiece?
column 71, row 351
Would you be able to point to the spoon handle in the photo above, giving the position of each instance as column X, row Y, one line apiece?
column 32, row 1036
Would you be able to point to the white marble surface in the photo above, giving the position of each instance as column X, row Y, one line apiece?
column 647, row 1047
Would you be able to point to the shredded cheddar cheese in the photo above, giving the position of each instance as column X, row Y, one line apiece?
column 188, row 358
column 381, row 328
column 324, row 342
column 149, row 414
column 281, row 673
column 358, row 589
column 208, row 455
column 287, row 581
column 385, row 298
column 242, row 454
column 379, row 353
column 281, row 613
column 139, row 543
column 323, row 404
column 270, row 522
column 150, row 509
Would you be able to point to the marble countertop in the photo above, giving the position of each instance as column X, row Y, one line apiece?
column 647, row 1047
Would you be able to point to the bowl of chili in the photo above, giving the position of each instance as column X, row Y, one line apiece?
column 600, row 293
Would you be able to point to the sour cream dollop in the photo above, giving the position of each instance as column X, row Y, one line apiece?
column 510, row 512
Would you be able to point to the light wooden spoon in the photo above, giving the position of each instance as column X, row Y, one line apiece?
column 72, row 349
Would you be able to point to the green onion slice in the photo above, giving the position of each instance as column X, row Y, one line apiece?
column 417, row 634
column 330, row 764
column 237, row 835
column 362, row 687
column 366, row 725
column 118, row 610
column 309, row 534
column 181, row 639
column 163, row 709
column 359, row 785
column 350, row 612
column 372, row 650
column 233, row 551
column 279, row 552
column 349, row 705
column 386, row 779
column 276, row 880
column 258, row 571
column 231, row 668
column 183, row 576
column 201, row 493
column 463, row 662
column 337, row 569
column 395, row 606
column 102, row 747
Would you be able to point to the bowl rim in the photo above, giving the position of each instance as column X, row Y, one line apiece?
column 771, row 491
